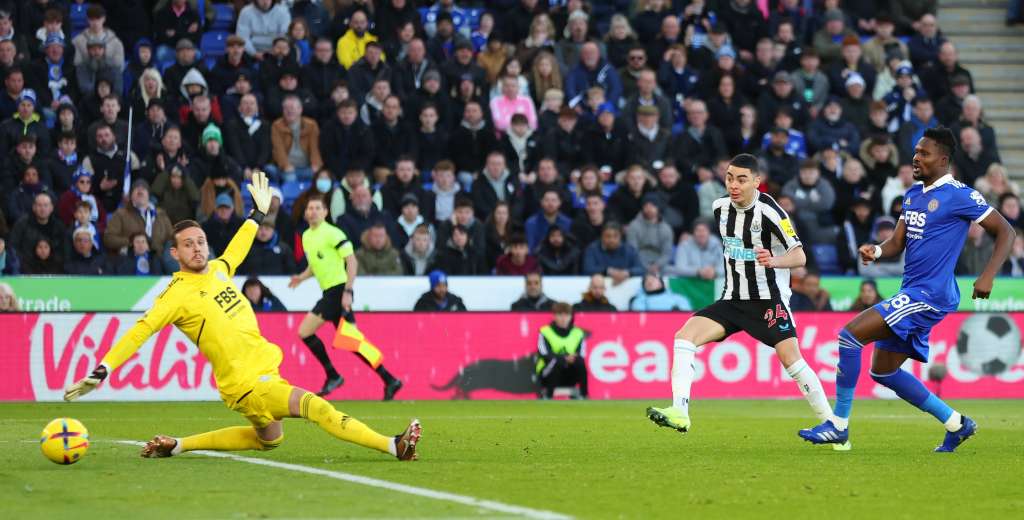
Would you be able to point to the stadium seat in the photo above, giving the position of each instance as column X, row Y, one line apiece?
column 827, row 258
column 223, row 18
column 76, row 13
column 473, row 18
column 291, row 191
column 214, row 44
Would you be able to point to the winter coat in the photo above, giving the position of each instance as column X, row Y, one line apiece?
column 597, row 259
column 309, row 141
column 127, row 221
column 660, row 300
column 652, row 241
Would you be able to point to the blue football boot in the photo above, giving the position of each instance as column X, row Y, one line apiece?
column 827, row 433
column 954, row 439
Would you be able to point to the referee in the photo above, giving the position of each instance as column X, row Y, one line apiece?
column 327, row 249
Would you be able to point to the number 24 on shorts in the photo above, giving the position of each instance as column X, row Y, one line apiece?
column 774, row 315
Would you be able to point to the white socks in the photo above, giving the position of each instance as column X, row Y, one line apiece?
column 682, row 373
column 953, row 423
column 392, row 446
column 841, row 423
column 810, row 386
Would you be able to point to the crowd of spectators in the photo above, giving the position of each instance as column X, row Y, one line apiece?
column 573, row 137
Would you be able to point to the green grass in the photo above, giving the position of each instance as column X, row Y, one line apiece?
column 585, row 459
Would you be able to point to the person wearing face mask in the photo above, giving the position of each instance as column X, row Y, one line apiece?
column 138, row 216
column 323, row 187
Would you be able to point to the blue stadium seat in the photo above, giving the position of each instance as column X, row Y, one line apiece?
column 246, row 201
column 474, row 18
column 223, row 18
column 77, row 17
column 214, row 44
column 423, row 14
column 291, row 191
column 827, row 258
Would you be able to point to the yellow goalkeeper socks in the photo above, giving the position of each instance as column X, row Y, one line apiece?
column 343, row 426
column 236, row 438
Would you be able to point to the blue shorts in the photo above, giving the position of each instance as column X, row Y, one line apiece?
column 911, row 321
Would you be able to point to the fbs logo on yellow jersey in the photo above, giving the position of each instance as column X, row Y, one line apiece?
column 787, row 227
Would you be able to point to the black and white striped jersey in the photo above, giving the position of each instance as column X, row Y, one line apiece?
column 763, row 224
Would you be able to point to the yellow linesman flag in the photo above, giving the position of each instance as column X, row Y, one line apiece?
column 350, row 338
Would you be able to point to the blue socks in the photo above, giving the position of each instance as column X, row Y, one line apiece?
column 846, row 378
column 913, row 391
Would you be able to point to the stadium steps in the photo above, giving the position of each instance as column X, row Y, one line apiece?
column 994, row 54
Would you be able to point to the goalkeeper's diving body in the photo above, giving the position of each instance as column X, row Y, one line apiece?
column 203, row 302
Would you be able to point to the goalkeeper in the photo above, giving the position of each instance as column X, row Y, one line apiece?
column 203, row 302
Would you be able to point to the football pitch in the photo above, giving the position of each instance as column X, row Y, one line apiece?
column 555, row 459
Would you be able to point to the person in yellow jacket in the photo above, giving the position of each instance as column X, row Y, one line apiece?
column 203, row 302
column 561, row 350
column 352, row 44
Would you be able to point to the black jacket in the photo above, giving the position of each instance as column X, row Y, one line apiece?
column 344, row 148
column 391, row 142
column 689, row 153
column 455, row 262
column 248, row 150
column 468, row 147
column 269, row 258
column 393, row 191
column 427, row 303
column 219, row 233
column 608, row 148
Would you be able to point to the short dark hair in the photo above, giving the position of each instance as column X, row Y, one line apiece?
column 348, row 103
column 613, row 226
column 517, row 239
column 942, row 137
column 317, row 196
column 182, row 226
column 463, row 201
column 746, row 161
column 808, row 164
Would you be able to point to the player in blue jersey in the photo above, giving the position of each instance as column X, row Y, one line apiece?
column 937, row 210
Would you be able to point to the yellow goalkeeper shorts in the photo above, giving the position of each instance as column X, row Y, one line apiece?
column 266, row 402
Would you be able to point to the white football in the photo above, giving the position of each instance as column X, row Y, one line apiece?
column 988, row 344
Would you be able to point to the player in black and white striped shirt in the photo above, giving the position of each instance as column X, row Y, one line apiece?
column 760, row 246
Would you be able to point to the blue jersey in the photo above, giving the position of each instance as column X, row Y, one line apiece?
column 937, row 218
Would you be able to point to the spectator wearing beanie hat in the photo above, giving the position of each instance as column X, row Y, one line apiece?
column 25, row 121
column 219, row 181
column 438, row 298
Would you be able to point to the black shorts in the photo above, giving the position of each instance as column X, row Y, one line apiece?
column 767, row 321
column 329, row 306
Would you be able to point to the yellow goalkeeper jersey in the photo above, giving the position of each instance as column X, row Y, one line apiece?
column 216, row 316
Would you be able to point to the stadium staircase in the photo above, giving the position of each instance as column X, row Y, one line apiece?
column 994, row 54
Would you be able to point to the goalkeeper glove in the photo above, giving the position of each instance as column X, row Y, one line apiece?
column 260, row 191
column 86, row 384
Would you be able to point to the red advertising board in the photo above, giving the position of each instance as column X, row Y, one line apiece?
column 469, row 355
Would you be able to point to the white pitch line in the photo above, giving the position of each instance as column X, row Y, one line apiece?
column 492, row 505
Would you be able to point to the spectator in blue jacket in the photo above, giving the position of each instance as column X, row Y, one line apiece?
column 831, row 129
column 592, row 71
column 611, row 256
column 549, row 215
column 653, row 296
